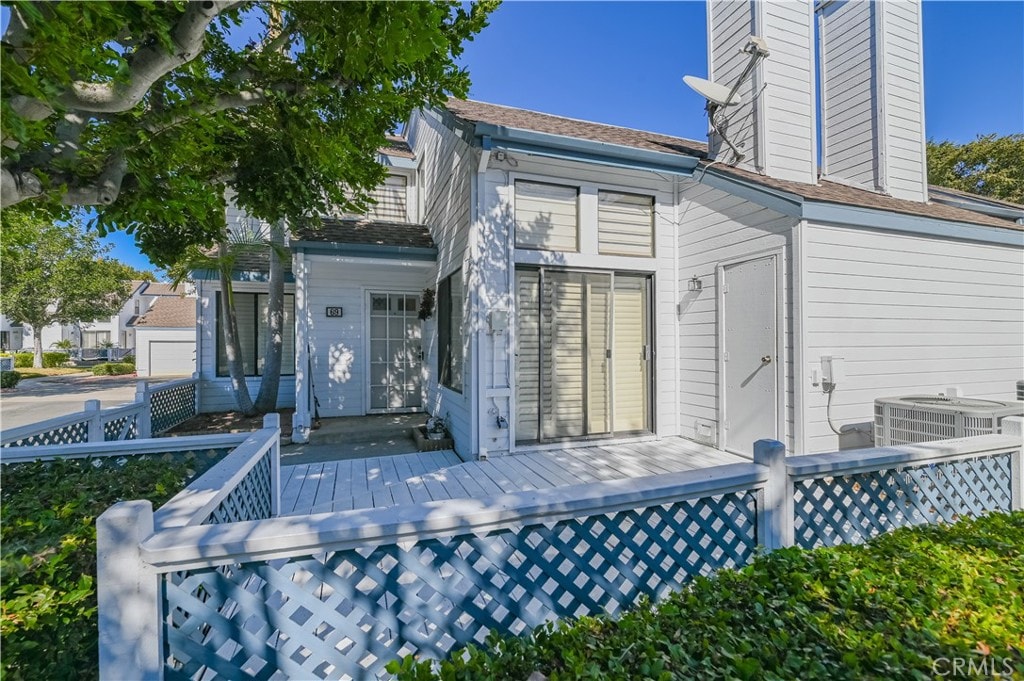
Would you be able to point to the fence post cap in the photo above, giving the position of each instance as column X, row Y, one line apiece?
column 272, row 420
column 767, row 449
column 92, row 405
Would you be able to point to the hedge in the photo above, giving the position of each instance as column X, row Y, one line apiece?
column 48, row 565
column 113, row 369
column 51, row 360
column 905, row 606
column 9, row 379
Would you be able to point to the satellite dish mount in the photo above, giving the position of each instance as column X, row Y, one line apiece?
column 719, row 97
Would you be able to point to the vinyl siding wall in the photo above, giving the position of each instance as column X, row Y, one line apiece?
column 730, row 24
column 952, row 315
column 446, row 169
column 715, row 227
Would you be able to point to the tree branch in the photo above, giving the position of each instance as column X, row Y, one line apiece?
column 17, row 187
column 106, row 188
column 149, row 64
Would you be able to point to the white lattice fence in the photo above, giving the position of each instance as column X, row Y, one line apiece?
column 171, row 403
column 347, row 613
column 63, row 434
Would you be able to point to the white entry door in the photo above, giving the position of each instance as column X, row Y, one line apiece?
column 396, row 352
column 749, row 353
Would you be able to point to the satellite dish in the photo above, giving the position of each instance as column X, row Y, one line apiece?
column 716, row 94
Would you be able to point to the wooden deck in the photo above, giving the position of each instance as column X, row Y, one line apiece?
column 431, row 476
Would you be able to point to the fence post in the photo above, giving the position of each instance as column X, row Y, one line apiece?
column 144, row 424
column 274, row 421
column 195, row 387
column 775, row 517
column 128, row 595
column 92, row 411
column 1014, row 425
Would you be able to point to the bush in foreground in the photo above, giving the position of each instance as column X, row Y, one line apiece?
column 22, row 360
column 48, row 565
column 113, row 369
column 9, row 379
column 904, row 606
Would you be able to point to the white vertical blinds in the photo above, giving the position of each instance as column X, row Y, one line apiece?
column 625, row 224
column 547, row 216
column 582, row 360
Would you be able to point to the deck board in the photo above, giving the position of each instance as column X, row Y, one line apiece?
column 377, row 482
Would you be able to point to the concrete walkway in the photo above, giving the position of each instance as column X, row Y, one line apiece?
column 39, row 399
column 356, row 437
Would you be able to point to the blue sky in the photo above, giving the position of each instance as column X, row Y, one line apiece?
column 622, row 63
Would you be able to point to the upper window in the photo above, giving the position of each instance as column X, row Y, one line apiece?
column 625, row 224
column 449, row 331
column 251, row 312
column 547, row 216
column 392, row 200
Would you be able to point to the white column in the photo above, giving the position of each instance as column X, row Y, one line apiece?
column 274, row 421
column 301, row 420
column 128, row 595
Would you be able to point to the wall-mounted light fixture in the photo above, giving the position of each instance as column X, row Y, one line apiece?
column 695, row 284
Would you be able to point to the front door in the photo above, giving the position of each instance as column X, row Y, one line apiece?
column 396, row 353
column 749, row 353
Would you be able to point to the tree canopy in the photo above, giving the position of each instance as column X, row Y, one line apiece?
column 990, row 166
column 57, row 274
column 147, row 111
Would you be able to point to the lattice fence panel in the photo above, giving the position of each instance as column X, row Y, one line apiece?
column 123, row 428
column 854, row 508
column 249, row 500
column 345, row 614
column 171, row 406
column 68, row 434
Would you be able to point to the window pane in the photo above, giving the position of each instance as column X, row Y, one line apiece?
column 253, row 331
column 625, row 224
column 449, row 324
column 546, row 217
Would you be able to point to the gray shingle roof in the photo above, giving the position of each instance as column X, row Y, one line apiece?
column 168, row 312
column 831, row 192
column 370, row 232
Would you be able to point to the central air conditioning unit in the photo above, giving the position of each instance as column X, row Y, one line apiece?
column 925, row 418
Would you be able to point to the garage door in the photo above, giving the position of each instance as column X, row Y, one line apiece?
column 172, row 358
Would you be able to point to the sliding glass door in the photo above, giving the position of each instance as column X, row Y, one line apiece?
column 583, row 354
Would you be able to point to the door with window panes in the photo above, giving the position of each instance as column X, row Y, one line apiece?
column 396, row 353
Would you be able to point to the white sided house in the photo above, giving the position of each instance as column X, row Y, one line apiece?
column 596, row 283
column 165, row 337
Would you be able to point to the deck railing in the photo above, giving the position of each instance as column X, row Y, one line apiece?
column 156, row 409
column 340, row 594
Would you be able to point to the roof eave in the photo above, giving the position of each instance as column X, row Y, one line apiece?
column 366, row 250
column 587, row 151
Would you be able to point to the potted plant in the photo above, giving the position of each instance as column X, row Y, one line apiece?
column 437, row 428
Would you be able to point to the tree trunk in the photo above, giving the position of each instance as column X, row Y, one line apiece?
column 37, row 347
column 266, row 401
column 236, row 369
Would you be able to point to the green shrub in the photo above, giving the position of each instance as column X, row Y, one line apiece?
column 22, row 360
column 9, row 379
column 53, row 360
column 128, row 359
column 113, row 369
column 899, row 607
column 48, row 565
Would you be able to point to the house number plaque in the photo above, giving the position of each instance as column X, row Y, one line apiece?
column 334, row 311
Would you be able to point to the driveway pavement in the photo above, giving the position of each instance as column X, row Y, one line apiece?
column 39, row 399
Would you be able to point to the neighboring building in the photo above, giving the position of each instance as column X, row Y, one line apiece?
column 165, row 337
column 12, row 336
column 596, row 282
column 91, row 336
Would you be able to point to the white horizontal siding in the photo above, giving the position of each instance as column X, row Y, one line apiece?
column 949, row 316
column 716, row 227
